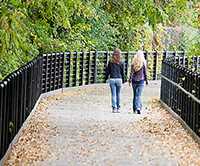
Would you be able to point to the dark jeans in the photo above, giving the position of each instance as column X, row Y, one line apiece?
column 115, row 86
column 137, row 93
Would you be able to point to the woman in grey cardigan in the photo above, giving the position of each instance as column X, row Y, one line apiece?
column 138, row 76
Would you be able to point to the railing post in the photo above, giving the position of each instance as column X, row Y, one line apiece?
column 20, row 106
column 195, row 104
column 184, row 98
column 46, row 70
column 16, row 110
column 88, row 60
column 25, row 92
column 106, row 63
column 81, row 75
column 53, row 71
column 155, row 65
column 33, row 87
column 5, row 119
column 188, row 102
column 95, row 66
column 29, row 86
column 89, row 67
column 126, row 65
column 75, row 68
column 68, row 68
column 1, row 118
column 162, row 83
column 198, row 106
column 63, row 70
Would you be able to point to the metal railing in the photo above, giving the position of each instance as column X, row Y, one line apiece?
column 20, row 91
column 18, row 94
column 69, row 69
column 180, row 90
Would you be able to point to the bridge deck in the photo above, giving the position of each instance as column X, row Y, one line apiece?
column 77, row 128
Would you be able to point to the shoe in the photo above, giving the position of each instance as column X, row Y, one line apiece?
column 114, row 110
column 138, row 112
column 118, row 110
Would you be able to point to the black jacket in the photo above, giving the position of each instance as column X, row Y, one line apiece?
column 115, row 70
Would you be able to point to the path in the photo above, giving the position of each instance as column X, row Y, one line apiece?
column 78, row 128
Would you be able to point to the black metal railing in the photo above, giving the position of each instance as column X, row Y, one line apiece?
column 69, row 69
column 180, row 90
column 52, row 71
column 18, row 94
column 20, row 91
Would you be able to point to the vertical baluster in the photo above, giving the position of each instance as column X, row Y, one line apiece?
column 20, row 107
column 25, row 93
column 5, row 119
column 76, row 69
column 54, row 66
column 81, row 68
column 126, row 65
column 46, row 72
column 162, row 83
column 106, row 63
column 29, row 90
column 8, row 111
column 95, row 66
column 62, row 68
column 198, row 106
column 16, row 110
column 155, row 65
column 184, row 107
column 68, row 69
column 88, row 69
column 1, row 118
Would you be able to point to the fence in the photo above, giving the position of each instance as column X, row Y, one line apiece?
column 20, row 90
column 68, row 69
column 18, row 94
column 180, row 90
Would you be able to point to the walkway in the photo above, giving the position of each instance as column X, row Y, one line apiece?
column 78, row 128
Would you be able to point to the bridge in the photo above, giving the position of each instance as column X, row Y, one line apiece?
column 71, row 123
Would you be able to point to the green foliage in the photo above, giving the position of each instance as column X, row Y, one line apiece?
column 30, row 27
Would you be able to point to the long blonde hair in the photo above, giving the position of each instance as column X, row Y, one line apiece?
column 138, row 61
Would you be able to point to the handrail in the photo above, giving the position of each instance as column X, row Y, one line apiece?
column 180, row 90
column 20, row 90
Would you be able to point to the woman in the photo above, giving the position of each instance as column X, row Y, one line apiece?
column 115, row 70
column 138, row 76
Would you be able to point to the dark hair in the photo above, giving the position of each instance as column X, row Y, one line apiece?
column 116, row 55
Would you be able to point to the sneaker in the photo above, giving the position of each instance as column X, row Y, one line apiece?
column 118, row 110
column 114, row 110
column 138, row 112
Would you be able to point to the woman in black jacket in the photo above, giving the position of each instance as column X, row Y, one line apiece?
column 115, row 71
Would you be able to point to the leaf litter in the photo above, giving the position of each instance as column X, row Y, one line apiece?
column 33, row 144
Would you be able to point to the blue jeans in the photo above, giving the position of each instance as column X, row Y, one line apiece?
column 115, row 86
column 137, row 93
